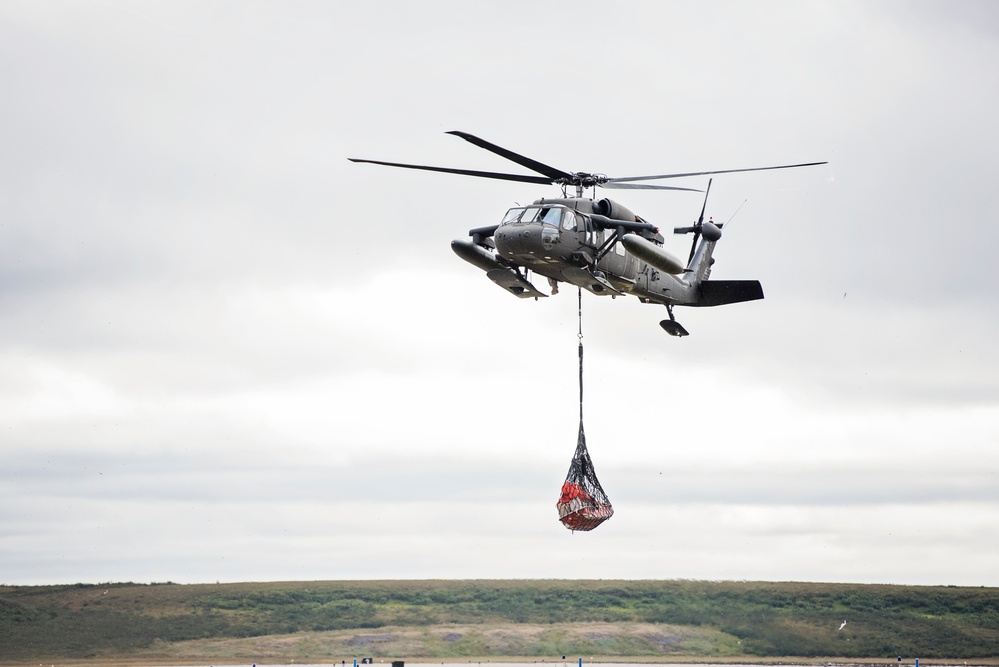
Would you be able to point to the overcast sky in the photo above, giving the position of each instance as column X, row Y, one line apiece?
column 229, row 354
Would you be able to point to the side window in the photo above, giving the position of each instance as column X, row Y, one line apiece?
column 569, row 221
column 594, row 236
column 551, row 216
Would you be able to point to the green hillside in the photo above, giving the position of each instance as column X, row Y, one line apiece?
column 414, row 620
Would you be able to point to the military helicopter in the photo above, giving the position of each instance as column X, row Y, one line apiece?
column 598, row 245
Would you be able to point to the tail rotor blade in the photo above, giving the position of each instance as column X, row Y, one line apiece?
column 700, row 222
column 693, row 245
column 704, row 206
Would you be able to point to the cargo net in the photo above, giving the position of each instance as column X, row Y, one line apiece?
column 583, row 504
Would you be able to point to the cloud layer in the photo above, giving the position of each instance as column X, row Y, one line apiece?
column 230, row 354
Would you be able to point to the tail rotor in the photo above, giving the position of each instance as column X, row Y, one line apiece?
column 698, row 226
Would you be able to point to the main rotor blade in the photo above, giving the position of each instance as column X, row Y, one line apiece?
column 464, row 172
column 551, row 172
column 642, row 186
column 709, row 173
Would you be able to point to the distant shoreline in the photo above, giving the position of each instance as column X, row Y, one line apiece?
column 788, row 661
column 462, row 622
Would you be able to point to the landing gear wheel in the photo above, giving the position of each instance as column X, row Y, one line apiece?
column 671, row 326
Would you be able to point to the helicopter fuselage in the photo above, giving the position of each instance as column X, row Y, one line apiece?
column 599, row 246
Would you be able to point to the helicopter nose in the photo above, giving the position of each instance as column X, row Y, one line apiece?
column 526, row 242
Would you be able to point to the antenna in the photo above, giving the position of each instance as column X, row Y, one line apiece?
column 734, row 214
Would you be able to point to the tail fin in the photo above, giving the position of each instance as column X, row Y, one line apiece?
column 713, row 292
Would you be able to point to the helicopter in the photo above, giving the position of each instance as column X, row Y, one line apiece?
column 595, row 244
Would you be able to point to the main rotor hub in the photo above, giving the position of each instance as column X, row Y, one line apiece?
column 581, row 180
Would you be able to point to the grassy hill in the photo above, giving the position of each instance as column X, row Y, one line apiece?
column 458, row 620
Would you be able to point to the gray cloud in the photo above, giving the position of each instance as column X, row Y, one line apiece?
column 229, row 353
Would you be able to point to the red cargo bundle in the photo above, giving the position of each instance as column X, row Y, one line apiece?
column 583, row 504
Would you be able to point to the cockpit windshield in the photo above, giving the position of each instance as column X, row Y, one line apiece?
column 549, row 215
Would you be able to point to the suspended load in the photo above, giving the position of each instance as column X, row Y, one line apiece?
column 583, row 504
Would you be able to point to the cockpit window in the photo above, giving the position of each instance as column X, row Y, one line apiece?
column 549, row 215
column 513, row 215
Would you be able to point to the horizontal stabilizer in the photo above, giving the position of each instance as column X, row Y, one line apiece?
column 721, row 292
